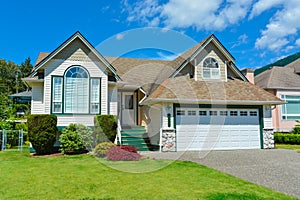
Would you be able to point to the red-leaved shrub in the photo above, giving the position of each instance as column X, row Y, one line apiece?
column 129, row 148
column 116, row 154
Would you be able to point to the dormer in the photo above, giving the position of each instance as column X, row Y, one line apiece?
column 209, row 60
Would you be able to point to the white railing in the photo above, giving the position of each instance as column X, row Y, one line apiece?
column 119, row 136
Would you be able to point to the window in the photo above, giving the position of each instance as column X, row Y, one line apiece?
column 223, row 113
column 128, row 101
column 243, row 113
column 213, row 113
column 290, row 110
column 192, row 112
column 202, row 113
column 233, row 113
column 180, row 112
column 57, row 94
column 81, row 94
column 253, row 113
column 95, row 96
column 211, row 69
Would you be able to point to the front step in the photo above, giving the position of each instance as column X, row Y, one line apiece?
column 133, row 136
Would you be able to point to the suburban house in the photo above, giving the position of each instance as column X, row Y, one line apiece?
column 283, row 82
column 198, row 101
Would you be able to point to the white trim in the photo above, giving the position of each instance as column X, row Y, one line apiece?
column 195, row 101
column 66, row 43
column 211, row 39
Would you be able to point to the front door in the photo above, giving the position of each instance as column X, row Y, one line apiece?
column 128, row 108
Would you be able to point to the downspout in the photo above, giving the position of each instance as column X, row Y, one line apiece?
column 144, row 92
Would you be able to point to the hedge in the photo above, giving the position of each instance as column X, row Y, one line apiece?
column 287, row 138
column 105, row 128
column 42, row 132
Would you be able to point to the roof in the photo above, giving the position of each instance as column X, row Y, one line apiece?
column 21, row 94
column 41, row 56
column 211, row 92
column 148, row 74
column 280, row 77
column 45, row 58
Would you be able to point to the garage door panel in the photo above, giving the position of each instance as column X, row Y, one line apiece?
column 197, row 132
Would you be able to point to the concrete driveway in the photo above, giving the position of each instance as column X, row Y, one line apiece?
column 277, row 169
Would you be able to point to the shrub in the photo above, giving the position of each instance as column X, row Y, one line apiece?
column 101, row 149
column 296, row 130
column 287, row 138
column 118, row 154
column 105, row 128
column 75, row 139
column 129, row 148
column 42, row 132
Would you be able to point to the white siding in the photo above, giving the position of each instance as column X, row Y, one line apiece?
column 267, row 117
column 37, row 101
column 113, row 100
column 167, row 109
column 58, row 68
column 155, row 124
column 87, row 120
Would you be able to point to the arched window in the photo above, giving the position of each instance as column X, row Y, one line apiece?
column 75, row 92
column 211, row 69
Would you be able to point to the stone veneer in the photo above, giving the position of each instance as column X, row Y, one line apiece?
column 168, row 140
column 268, row 137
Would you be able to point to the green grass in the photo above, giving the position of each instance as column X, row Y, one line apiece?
column 85, row 177
column 288, row 146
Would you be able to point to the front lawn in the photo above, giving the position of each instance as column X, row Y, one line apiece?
column 85, row 177
column 295, row 147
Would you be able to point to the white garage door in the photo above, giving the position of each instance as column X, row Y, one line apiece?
column 218, row 129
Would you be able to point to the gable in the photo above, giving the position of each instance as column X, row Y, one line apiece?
column 76, row 48
column 209, row 47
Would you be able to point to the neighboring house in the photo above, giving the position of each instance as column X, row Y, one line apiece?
column 198, row 101
column 284, row 82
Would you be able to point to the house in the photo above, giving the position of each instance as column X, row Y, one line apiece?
column 198, row 101
column 283, row 82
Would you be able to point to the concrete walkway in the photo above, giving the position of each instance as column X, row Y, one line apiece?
column 277, row 169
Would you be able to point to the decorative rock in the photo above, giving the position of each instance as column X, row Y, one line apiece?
column 168, row 140
column 268, row 138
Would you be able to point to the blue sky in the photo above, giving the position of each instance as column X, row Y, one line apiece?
column 256, row 32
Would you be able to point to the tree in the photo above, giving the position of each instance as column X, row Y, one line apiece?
column 26, row 67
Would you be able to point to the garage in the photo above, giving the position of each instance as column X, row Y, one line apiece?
column 217, row 129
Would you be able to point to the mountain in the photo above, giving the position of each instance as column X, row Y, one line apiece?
column 282, row 62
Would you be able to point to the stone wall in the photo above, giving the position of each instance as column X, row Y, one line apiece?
column 268, row 136
column 168, row 140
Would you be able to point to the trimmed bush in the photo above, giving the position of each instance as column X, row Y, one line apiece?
column 101, row 149
column 118, row 154
column 287, row 138
column 76, row 139
column 42, row 132
column 105, row 128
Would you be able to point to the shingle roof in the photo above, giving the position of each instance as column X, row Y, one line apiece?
column 22, row 94
column 185, row 88
column 280, row 77
column 145, row 73
column 41, row 56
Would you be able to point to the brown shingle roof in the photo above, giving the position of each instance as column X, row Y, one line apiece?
column 41, row 56
column 146, row 73
column 280, row 77
column 235, row 91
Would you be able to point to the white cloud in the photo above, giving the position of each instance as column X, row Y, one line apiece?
column 263, row 5
column 298, row 42
column 145, row 11
column 284, row 23
column 242, row 39
column 217, row 15
column 208, row 15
